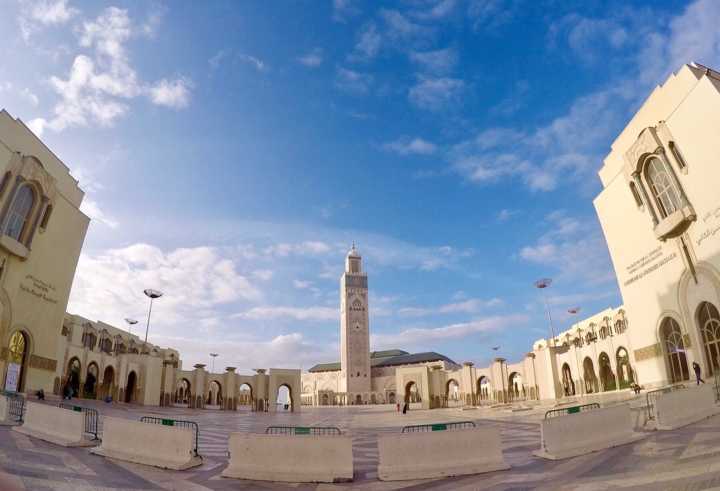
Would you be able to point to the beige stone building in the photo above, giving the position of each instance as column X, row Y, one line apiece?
column 41, row 233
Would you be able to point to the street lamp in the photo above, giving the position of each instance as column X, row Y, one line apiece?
column 575, row 311
column 214, row 355
column 542, row 284
column 152, row 294
column 131, row 322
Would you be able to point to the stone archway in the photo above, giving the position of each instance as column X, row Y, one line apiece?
column 412, row 393
column 674, row 347
column 130, row 387
column 108, row 382
column 626, row 377
column 452, row 394
column 214, row 395
column 568, row 382
column 607, row 377
column 91, row 379
column 708, row 321
column 515, row 386
column 483, row 388
column 245, row 395
column 591, row 381
column 284, row 399
column 72, row 384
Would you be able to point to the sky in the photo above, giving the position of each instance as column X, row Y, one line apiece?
column 231, row 152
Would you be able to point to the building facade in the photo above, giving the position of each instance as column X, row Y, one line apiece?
column 41, row 234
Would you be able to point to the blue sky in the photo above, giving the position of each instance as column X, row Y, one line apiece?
column 232, row 151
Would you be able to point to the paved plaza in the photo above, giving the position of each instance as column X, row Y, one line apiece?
column 680, row 459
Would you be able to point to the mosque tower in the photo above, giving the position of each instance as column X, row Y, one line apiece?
column 354, row 328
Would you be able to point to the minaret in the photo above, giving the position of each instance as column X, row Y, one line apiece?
column 354, row 328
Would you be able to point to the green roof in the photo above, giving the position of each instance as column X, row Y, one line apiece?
column 388, row 358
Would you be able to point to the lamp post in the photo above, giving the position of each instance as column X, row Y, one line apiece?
column 214, row 355
column 152, row 294
column 575, row 311
column 131, row 322
column 541, row 284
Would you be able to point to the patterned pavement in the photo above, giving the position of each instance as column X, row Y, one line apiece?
column 684, row 459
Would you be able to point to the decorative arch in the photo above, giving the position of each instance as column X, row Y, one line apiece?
column 591, row 381
column 108, row 381
column 72, row 377
column 412, row 392
column 567, row 380
column 214, row 395
column 452, row 393
column 607, row 377
column 130, row 387
column 285, row 404
column 91, row 378
column 515, row 386
column 183, row 394
column 707, row 318
column 484, row 389
column 673, row 345
column 626, row 376
column 245, row 394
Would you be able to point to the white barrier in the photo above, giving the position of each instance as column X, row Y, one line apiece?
column 424, row 455
column 54, row 425
column 168, row 447
column 5, row 418
column 306, row 458
column 683, row 407
column 588, row 431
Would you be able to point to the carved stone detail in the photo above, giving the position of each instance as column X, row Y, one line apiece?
column 652, row 351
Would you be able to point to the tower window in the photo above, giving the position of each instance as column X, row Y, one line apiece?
column 636, row 195
column 677, row 155
column 664, row 190
column 19, row 214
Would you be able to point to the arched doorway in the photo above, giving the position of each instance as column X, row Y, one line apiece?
column 674, row 346
column 284, row 400
column 607, row 377
column 130, row 387
column 626, row 377
column 515, row 386
column 73, row 377
column 358, row 399
column 568, row 382
column 91, row 377
column 452, row 393
column 483, row 388
column 325, row 400
column 108, row 381
column 591, row 381
column 214, row 397
column 17, row 361
column 391, row 398
column 412, row 394
column 245, row 395
column 708, row 320
column 182, row 392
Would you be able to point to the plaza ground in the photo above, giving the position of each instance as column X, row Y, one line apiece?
column 682, row 459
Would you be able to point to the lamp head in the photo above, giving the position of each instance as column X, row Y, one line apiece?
column 153, row 293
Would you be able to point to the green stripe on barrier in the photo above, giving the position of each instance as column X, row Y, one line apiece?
column 573, row 410
column 302, row 430
column 168, row 422
column 77, row 409
column 439, row 427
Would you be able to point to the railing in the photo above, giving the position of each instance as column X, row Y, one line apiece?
column 456, row 425
column 176, row 422
column 302, row 430
column 553, row 413
column 91, row 417
column 652, row 396
column 16, row 405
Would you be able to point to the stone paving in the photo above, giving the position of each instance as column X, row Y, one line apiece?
column 684, row 459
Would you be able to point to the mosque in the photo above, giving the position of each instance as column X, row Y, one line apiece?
column 659, row 210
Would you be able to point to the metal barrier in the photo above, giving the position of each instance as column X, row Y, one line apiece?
column 457, row 425
column 175, row 422
column 16, row 405
column 302, row 430
column 651, row 397
column 571, row 410
column 91, row 417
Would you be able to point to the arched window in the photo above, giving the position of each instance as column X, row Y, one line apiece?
column 18, row 216
column 674, row 350
column 708, row 320
column 662, row 185
column 625, row 372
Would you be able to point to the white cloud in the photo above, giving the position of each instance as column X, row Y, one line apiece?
column 259, row 65
column 296, row 313
column 440, row 10
column 466, row 306
column 344, row 9
column 428, row 337
column 368, row 43
column 414, row 146
column 301, row 284
column 195, row 281
column 92, row 209
column 312, row 59
column 438, row 61
column 352, row 81
column 506, row 214
column 98, row 86
column 263, row 274
column 29, row 96
column 306, row 248
column 171, row 93
column 38, row 13
column 399, row 27
column 436, row 93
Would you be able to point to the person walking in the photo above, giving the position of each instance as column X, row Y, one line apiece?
column 696, row 369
